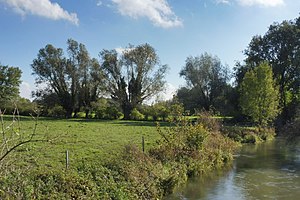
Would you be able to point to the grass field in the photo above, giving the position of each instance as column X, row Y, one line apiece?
column 101, row 164
column 85, row 140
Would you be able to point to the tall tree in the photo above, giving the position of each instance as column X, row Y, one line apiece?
column 9, row 83
column 87, row 76
column 50, row 66
column 259, row 95
column 134, row 76
column 207, row 77
column 75, row 80
column 280, row 47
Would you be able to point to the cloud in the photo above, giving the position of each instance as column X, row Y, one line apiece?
column 43, row 8
column 264, row 3
column 166, row 94
column 223, row 1
column 25, row 90
column 157, row 11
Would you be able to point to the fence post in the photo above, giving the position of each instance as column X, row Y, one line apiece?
column 143, row 143
column 67, row 159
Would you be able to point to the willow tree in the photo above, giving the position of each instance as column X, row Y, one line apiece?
column 207, row 80
column 75, row 80
column 259, row 95
column 134, row 76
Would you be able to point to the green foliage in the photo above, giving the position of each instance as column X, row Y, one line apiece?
column 9, row 83
column 136, row 115
column 75, row 81
column 57, row 112
column 113, row 171
column 259, row 95
column 99, row 108
column 208, row 82
column 160, row 110
column 249, row 134
column 280, row 47
column 193, row 147
column 25, row 106
column 132, row 78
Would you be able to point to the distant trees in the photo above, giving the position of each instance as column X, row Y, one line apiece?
column 208, row 83
column 9, row 83
column 259, row 95
column 134, row 76
column 75, row 80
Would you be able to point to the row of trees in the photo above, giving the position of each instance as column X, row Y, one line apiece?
column 266, row 84
column 76, row 81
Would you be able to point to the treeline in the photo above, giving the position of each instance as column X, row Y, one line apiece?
column 262, row 88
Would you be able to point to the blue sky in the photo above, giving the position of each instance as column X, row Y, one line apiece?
column 175, row 28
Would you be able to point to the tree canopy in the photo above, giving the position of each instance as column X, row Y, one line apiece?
column 280, row 47
column 75, row 80
column 259, row 95
column 207, row 80
column 133, row 76
column 9, row 82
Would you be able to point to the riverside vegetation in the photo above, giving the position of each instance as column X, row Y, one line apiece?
column 107, row 160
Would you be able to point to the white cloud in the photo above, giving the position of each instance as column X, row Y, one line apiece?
column 43, row 8
column 266, row 3
column 25, row 90
column 170, row 90
column 167, row 94
column 157, row 11
column 120, row 50
column 223, row 1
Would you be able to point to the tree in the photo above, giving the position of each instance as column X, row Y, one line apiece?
column 132, row 77
column 259, row 95
column 280, row 47
column 86, row 74
column 207, row 79
column 74, row 80
column 9, row 83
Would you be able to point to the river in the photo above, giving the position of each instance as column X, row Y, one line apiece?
column 265, row 171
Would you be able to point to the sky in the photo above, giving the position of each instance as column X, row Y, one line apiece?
column 176, row 29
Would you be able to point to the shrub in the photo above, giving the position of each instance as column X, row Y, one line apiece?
column 136, row 115
column 57, row 112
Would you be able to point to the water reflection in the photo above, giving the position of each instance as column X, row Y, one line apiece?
column 265, row 171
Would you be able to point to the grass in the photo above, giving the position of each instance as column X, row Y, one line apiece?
column 86, row 140
column 103, row 166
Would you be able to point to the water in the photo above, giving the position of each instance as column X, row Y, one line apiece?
column 265, row 171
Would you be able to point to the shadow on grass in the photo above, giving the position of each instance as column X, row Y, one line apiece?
column 115, row 122
column 142, row 123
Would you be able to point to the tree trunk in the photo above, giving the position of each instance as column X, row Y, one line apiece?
column 126, row 111
column 87, row 111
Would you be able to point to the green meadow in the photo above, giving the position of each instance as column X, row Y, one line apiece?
column 85, row 140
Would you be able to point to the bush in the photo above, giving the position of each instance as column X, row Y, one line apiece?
column 249, row 135
column 136, row 115
column 193, row 146
column 57, row 112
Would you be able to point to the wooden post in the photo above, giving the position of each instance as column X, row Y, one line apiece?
column 143, row 144
column 67, row 159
